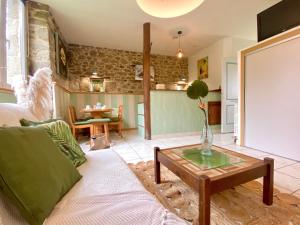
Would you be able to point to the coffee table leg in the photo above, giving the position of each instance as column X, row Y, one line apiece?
column 204, row 200
column 156, row 166
column 268, row 182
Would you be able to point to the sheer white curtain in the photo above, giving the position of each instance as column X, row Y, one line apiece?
column 23, row 38
column 3, row 71
column 13, row 42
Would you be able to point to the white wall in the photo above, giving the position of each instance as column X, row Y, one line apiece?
column 272, row 99
column 224, row 48
column 214, row 53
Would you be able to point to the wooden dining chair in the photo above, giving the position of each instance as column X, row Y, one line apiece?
column 75, row 124
column 117, row 121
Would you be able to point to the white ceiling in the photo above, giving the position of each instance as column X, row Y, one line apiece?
column 118, row 24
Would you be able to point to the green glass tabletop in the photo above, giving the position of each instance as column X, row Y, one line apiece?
column 204, row 162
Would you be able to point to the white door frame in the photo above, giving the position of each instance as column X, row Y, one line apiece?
column 228, row 102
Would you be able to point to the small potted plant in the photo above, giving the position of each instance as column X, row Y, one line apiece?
column 198, row 90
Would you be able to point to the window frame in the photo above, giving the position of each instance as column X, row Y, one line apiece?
column 23, row 43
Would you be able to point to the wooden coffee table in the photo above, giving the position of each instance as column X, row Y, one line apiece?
column 208, row 178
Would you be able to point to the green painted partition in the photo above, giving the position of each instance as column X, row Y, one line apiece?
column 173, row 112
column 7, row 97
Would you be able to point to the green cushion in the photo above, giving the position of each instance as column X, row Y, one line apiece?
column 114, row 119
column 100, row 120
column 61, row 134
column 34, row 174
column 84, row 122
column 84, row 119
column 113, row 113
column 113, row 116
column 106, row 114
column 29, row 123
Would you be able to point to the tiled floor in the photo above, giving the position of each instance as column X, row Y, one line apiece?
column 133, row 148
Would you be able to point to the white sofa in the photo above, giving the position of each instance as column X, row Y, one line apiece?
column 108, row 193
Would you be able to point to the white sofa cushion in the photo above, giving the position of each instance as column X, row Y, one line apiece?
column 104, row 172
column 10, row 115
column 129, row 208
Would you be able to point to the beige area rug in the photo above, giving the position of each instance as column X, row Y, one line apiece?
column 241, row 205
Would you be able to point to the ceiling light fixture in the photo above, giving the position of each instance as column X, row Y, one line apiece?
column 168, row 8
column 179, row 50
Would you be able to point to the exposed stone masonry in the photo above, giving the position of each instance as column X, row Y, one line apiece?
column 39, row 52
column 42, row 28
column 119, row 66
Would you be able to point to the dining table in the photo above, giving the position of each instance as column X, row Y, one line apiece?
column 97, row 113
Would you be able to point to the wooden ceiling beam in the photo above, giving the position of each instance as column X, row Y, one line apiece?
column 147, row 80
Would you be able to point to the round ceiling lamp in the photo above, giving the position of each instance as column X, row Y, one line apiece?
column 168, row 8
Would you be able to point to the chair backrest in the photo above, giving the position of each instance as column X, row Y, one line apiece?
column 72, row 114
column 120, row 112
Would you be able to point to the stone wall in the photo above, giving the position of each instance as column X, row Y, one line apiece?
column 42, row 29
column 39, row 52
column 119, row 66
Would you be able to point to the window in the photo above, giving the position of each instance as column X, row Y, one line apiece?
column 12, row 42
column 2, row 44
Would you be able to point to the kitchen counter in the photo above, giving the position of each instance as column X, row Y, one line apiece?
column 216, row 90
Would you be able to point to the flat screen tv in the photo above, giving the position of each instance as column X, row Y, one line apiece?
column 278, row 18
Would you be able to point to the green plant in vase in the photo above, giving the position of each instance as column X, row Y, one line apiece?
column 198, row 90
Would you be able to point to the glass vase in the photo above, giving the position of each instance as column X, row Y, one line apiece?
column 206, row 140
